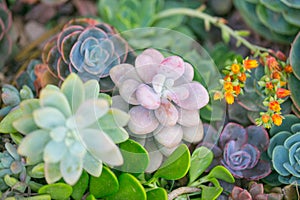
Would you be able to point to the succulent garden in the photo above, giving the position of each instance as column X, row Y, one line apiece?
column 150, row 99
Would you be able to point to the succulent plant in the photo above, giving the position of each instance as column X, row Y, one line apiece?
column 11, row 97
column 284, row 150
column 71, row 129
column 274, row 20
column 241, row 150
column 5, row 40
column 255, row 192
column 164, row 102
column 11, row 163
column 88, row 48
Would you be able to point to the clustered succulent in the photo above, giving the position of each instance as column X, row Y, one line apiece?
column 163, row 102
column 284, row 150
column 5, row 40
column 71, row 129
column 88, row 48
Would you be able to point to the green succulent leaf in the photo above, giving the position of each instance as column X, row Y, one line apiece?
column 6, row 125
column 210, row 193
column 37, row 171
column 73, row 89
column 291, row 3
column 201, row 159
column 90, row 197
column 48, row 118
column 104, row 185
column 294, row 57
column 129, row 189
column 16, row 137
column 52, row 172
column 157, row 194
column 133, row 153
column 91, row 89
column 176, row 165
column 71, row 168
column 220, row 172
column 25, row 124
column 81, row 186
column 40, row 197
column 57, row 190
column 29, row 105
column 92, row 165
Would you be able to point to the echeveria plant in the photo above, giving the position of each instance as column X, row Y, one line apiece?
column 5, row 40
column 88, row 48
column 242, row 149
column 70, row 129
column 164, row 102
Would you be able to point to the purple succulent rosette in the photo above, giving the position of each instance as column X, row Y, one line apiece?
column 88, row 48
column 5, row 40
column 242, row 148
column 163, row 102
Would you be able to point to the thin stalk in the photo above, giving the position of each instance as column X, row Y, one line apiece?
column 208, row 19
column 182, row 190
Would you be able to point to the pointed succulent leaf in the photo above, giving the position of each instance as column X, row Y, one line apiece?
column 48, row 118
column 6, row 124
column 92, row 165
column 73, row 89
column 58, row 134
column 29, row 105
column 108, row 153
column 80, row 187
column 220, row 172
column 25, row 124
column 104, row 185
column 57, row 190
column 12, row 151
column 52, row 172
column 210, row 192
column 114, row 117
column 38, row 171
column 91, row 89
column 54, row 151
column 71, row 168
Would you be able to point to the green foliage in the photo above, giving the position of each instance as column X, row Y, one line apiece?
column 57, row 190
column 157, row 194
column 6, row 123
column 81, row 186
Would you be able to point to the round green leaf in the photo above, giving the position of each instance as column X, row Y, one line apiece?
column 104, row 185
column 222, row 173
column 201, row 159
column 210, row 193
column 130, row 189
column 176, row 165
column 157, row 194
column 6, row 125
column 80, row 187
column 90, row 197
column 135, row 157
column 40, row 197
column 57, row 190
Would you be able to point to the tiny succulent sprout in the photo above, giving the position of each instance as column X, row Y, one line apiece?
column 70, row 129
column 88, row 48
column 164, row 102
column 242, row 149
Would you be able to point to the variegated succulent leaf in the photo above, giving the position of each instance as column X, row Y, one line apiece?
column 164, row 101
column 67, row 129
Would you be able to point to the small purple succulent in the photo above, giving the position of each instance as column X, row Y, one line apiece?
column 88, row 48
column 164, row 101
column 242, row 148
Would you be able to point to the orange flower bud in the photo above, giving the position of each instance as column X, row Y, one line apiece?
column 250, row 64
column 237, row 89
column 228, row 86
column 218, row 95
column 277, row 119
column 272, row 63
column 275, row 106
column 229, row 97
column 269, row 85
column 242, row 77
column 227, row 78
column 288, row 69
column 282, row 83
column 280, row 56
column 265, row 118
column 282, row 93
column 235, row 68
column 276, row 75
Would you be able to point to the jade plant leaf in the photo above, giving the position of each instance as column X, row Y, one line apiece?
column 104, row 185
column 39, row 197
column 176, row 165
column 6, row 125
column 210, row 193
column 157, row 194
column 133, row 153
column 90, row 197
column 57, row 190
column 130, row 189
column 222, row 173
column 201, row 159
column 81, row 186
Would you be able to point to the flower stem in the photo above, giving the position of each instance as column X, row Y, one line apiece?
column 182, row 190
column 208, row 19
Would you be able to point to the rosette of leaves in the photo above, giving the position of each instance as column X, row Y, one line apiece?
column 5, row 24
column 70, row 129
column 255, row 192
column 240, row 149
column 163, row 102
column 276, row 20
column 284, row 150
column 88, row 48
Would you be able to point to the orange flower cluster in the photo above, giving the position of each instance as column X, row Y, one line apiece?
column 274, row 81
column 234, row 80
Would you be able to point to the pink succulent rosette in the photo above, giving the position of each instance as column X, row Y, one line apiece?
column 162, row 100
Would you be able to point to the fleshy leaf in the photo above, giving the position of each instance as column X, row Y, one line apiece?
column 25, row 124
column 211, row 193
column 157, row 193
column 57, row 190
column 52, row 172
column 91, row 89
column 280, row 156
column 71, row 168
column 48, row 118
column 54, row 151
column 80, row 187
column 169, row 136
column 6, row 124
column 222, row 173
column 92, row 165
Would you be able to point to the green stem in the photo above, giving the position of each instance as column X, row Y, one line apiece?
column 218, row 22
column 182, row 190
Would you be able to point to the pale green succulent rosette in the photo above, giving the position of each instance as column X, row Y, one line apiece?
column 70, row 129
